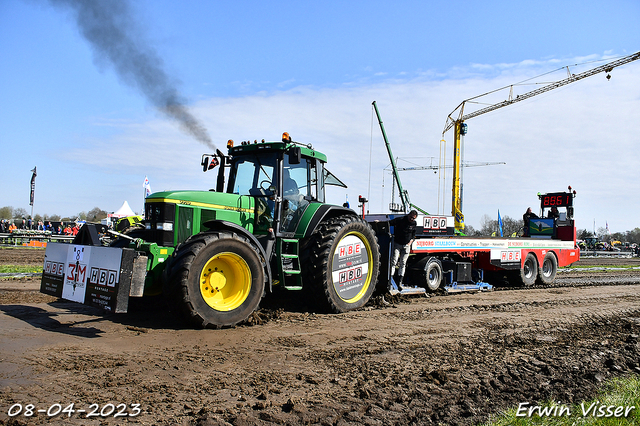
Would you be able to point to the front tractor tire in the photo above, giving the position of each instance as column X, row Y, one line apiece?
column 215, row 279
column 341, row 263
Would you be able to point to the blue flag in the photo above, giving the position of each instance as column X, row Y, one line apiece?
column 499, row 223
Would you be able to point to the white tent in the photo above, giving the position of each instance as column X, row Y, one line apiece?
column 123, row 211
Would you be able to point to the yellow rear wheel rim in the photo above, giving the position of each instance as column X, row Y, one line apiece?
column 225, row 281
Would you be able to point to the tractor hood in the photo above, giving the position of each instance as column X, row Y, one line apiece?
column 204, row 199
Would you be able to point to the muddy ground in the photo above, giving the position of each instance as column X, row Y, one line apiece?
column 447, row 360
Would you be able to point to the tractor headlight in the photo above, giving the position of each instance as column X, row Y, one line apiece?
column 166, row 226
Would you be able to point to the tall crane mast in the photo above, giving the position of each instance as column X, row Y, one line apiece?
column 460, row 127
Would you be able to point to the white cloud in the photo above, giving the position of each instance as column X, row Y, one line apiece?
column 581, row 135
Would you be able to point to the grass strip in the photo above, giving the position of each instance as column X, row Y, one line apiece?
column 617, row 403
column 20, row 269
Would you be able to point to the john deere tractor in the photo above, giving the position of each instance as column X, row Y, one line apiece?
column 214, row 254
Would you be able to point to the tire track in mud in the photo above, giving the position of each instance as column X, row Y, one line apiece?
column 281, row 374
column 454, row 381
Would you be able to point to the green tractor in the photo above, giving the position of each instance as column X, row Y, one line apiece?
column 214, row 254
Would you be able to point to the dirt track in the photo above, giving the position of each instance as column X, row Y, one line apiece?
column 441, row 360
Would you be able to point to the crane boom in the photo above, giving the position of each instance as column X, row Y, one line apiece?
column 459, row 127
column 573, row 78
column 450, row 166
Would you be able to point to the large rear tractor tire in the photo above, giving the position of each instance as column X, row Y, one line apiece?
column 341, row 263
column 215, row 279
column 547, row 273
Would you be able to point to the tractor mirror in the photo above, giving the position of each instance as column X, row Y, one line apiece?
column 295, row 155
column 214, row 163
column 209, row 162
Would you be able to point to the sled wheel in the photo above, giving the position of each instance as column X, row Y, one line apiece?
column 341, row 264
column 433, row 274
column 215, row 279
column 547, row 273
column 529, row 271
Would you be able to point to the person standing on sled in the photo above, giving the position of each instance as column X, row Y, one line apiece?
column 404, row 232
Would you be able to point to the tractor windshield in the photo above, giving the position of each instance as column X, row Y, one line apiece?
column 252, row 175
column 255, row 175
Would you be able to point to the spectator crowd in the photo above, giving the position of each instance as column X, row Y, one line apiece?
column 57, row 228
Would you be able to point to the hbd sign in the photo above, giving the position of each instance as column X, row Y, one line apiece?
column 103, row 277
column 435, row 222
column 437, row 225
column 350, row 275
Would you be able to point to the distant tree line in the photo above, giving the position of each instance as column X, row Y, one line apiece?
column 602, row 234
column 488, row 226
column 510, row 226
column 96, row 214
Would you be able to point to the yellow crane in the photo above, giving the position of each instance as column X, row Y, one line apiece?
column 460, row 127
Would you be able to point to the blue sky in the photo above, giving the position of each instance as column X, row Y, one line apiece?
column 251, row 70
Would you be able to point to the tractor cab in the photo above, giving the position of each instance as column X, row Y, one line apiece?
column 283, row 178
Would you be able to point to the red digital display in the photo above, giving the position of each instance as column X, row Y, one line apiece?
column 558, row 199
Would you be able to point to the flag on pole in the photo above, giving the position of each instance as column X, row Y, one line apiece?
column 147, row 187
column 33, row 186
column 607, row 227
column 499, row 223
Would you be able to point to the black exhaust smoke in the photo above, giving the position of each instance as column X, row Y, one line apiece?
column 114, row 36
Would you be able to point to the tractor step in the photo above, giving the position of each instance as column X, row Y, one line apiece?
column 290, row 264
